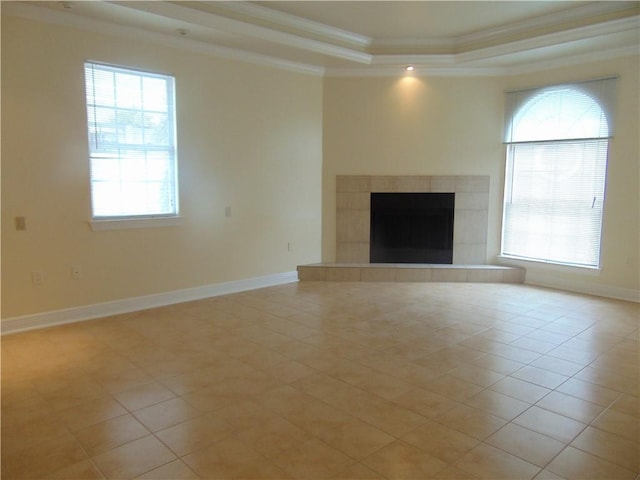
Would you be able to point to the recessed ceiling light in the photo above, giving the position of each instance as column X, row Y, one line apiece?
column 409, row 68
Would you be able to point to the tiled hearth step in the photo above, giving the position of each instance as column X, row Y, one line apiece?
column 403, row 272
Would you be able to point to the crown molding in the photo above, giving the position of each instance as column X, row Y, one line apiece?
column 297, row 23
column 218, row 22
column 464, row 43
column 470, row 63
column 422, row 60
column 580, row 33
column 603, row 55
column 67, row 19
column 420, row 71
column 549, row 20
column 456, row 70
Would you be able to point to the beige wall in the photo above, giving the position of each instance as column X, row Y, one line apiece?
column 249, row 137
column 268, row 143
column 453, row 126
column 410, row 126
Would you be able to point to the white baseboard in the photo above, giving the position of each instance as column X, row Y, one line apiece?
column 88, row 312
column 588, row 288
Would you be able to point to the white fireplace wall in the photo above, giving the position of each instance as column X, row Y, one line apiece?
column 353, row 211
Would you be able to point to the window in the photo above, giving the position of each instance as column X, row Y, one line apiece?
column 132, row 147
column 557, row 144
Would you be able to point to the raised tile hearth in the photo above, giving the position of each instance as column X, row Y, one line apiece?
column 403, row 272
column 353, row 212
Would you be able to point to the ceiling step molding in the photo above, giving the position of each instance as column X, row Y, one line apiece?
column 218, row 22
column 548, row 40
column 71, row 20
column 614, row 31
column 330, row 34
column 556, row 19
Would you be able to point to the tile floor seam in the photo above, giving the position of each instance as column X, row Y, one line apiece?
column 568, row 446
column 596, row 455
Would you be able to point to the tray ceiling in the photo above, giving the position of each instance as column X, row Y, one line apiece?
column 369, row 37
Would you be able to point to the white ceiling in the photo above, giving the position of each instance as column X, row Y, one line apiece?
column 369, row 37
column 413, row 19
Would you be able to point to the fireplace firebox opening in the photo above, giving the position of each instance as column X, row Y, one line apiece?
column 412, row 228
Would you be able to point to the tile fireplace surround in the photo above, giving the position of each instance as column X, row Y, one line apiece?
column 353, row 211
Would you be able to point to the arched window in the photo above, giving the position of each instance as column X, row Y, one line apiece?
column 557, row 144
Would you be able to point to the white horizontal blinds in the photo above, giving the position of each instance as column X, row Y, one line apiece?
column 560, row 112
column 131, row 128
column 555, row 174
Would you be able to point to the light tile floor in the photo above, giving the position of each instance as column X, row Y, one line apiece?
column 332, row 381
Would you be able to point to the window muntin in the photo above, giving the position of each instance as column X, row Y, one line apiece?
column 557, row 146
column 132, row 147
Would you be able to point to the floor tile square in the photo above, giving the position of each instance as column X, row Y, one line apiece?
column 574, row 464
column 572, row 407
column 312, row 459
column 111, row 433
column 589, row 391
column 498, row 404
column 133, row 458
column 440, row 442
column 520, row 389
column 356, row 438
column 142, row 396
column 618, row 423
column 611, row 447
column 489, row 462
column 550, row 424
column 471, row 421
column 42, row 457
column 195, row 434
column 425, row 403
column 162, row 415
column 541, row 377
column 402, row 461
column 526, row 444
column 453, row 387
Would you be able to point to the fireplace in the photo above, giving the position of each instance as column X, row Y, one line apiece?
column 470, row 221
column 411, row 227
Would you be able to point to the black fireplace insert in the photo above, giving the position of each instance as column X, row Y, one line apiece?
column 412, row 228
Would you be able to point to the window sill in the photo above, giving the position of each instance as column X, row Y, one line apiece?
column 129, row 223
column 553, row 266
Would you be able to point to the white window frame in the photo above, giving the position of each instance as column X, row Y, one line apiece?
column 526, row 142
column 119, row 149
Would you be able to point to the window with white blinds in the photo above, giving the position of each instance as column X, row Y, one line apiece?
column 132, row 147
column 557, row 144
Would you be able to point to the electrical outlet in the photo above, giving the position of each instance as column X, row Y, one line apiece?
column 76, row 271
